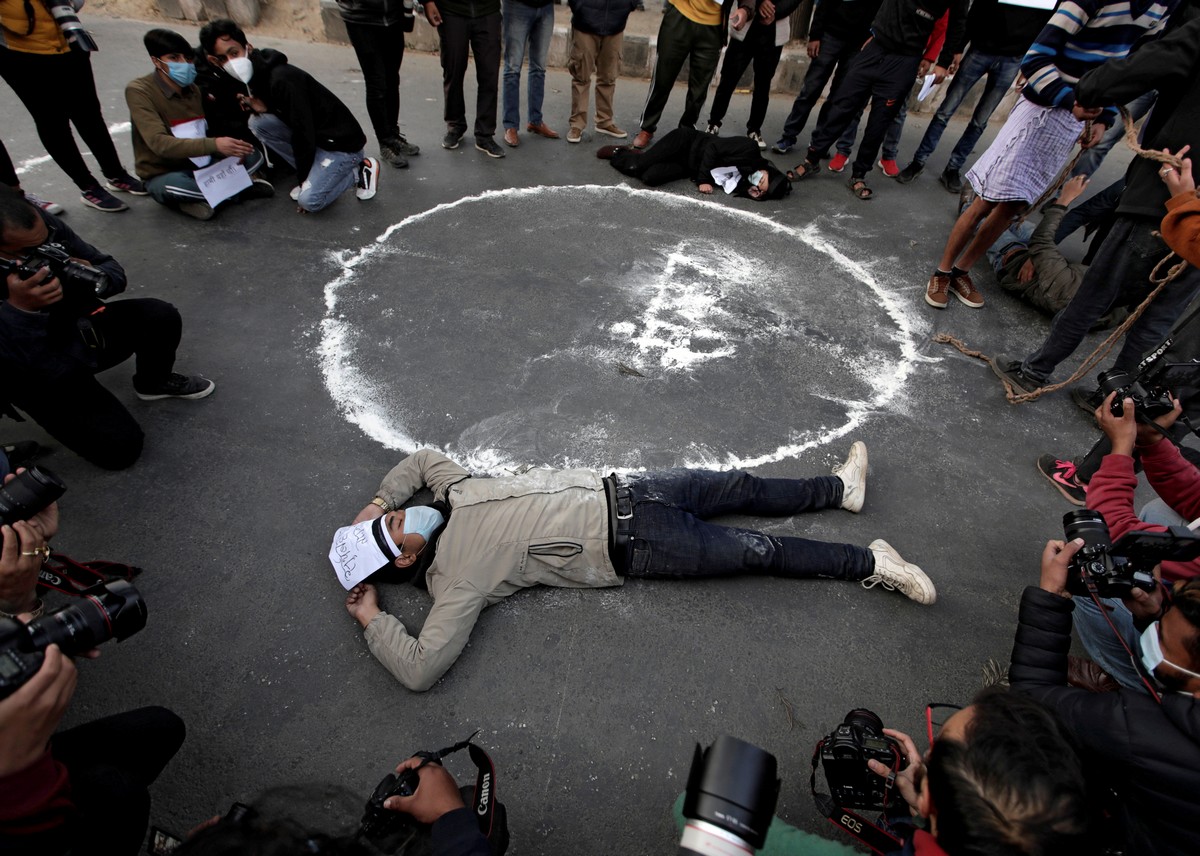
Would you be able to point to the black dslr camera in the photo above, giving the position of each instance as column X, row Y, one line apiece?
column 844, row 756
column 104, row 611
column 1151, row 397
column 1114, row 569
column 68, row 271
column 29, row 493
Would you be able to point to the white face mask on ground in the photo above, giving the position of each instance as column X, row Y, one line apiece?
column 240, row 68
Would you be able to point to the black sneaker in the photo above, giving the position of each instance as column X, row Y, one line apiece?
column 126, row 183
column 910, row 172
column 393, row 155
column 784, row 146
column 259, row 188
column 402, row 145
column 100, row 199
column 1009, row 369
column 176, row 386
column 1062, row 475
column 951, row 179
column 451, row 140
column 488, row 146
column 1087, row 401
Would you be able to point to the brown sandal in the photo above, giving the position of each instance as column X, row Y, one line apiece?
column 858, row 186
column 810, row 168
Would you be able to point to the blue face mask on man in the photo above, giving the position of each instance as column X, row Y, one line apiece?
column 183, row 73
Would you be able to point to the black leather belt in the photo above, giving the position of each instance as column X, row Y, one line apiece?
column 620, row 522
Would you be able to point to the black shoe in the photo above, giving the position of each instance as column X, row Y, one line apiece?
column 451, row 140
column 951, row 179
column 1063, row 476
column 1010, row 370
column 606, row 152
column 259, row 188
column 20, row 453
column 910, row 172
column 176, row 386
column 1087, row 401
column 393, row 155
column 488, row 146
column 402, row 145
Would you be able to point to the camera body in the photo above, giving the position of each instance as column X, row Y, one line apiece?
column 379, row 822
column 844, row 756
column 1115, row 569
column 1147, row 389
column 105, row 611
column 70, row 272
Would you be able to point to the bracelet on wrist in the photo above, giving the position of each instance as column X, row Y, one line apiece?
column 36, row 611
column 381, row 502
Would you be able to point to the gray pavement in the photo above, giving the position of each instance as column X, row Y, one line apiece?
column 771, row 334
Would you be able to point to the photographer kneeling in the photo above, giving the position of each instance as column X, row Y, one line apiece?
column 1148, row 748
column 56, row 333
column 83, row 790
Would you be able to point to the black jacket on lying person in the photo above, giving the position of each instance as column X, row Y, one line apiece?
column 688, row 153
column 316, row 117
column 1149, row 753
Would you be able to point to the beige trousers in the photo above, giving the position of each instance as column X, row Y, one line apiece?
column 599, row 55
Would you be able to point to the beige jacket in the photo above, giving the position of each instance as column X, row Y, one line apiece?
column 546, row 527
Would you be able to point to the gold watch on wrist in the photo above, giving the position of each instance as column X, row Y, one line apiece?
column 382, row 503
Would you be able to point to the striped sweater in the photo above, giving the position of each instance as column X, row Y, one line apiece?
column 1081, row 35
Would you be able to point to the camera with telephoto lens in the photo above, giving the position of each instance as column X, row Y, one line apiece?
column 104, row 611
column 1114, row 569
column 79, row 38
column 28, row 493
column 68, row 271
column 731, row 794
column 844, row 756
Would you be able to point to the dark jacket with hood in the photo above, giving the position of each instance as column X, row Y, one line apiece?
column 601, row 17
column 1150, row 752
column 317, row 118
column 1172, row 66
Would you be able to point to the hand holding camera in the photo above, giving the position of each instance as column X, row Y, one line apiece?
column 907, row 780
column 36, row 292
column 30, row 715
column 433, row 793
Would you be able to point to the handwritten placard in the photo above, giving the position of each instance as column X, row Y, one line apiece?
column 222, row 180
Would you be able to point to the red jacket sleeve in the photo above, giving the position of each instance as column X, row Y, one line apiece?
column 1175, row 480
column 937, row 38
column 35, row 799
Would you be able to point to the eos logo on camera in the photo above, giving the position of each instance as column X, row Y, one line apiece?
column 485, row 795
column 851, row 824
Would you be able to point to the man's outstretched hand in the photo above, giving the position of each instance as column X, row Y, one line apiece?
column 363, row 603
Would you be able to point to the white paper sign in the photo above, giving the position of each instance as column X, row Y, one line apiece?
column 1048, row 5
column 728, row 177
column 193, row 129
column 926, row 87
column 222, row 180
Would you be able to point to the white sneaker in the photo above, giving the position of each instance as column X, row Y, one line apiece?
column 895, row 574
column 853, row 473
column 45, row 204
column 368, row 178
column 757, row 137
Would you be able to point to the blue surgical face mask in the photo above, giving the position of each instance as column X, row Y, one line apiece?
column 183, row 73
column 422, row 520
column 755, row 177
column 1152, row 655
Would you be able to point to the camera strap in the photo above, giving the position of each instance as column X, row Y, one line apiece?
column 63, row 574
column 880, row 841
column 489, row 812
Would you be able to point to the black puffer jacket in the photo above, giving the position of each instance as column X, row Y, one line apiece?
column 1150, row 752
column 601, row 17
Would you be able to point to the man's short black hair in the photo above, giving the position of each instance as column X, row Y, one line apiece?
column 160, row 42
column 1187, row 601
column 1015, row 786
column 15, row 211
column 214, row 30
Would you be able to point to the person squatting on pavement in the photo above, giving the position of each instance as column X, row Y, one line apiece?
column 56, row 334
column 170, row 133
column 1042, row 129
column 735, row 164
column 296, row 117
column 485, row 538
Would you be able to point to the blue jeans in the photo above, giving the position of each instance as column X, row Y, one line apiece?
column 1103, row 645
column 332, row 173
column 891, row 140
column 834, row 54
column 1014, row 236
column 1000, row 72
column 671, row 538
column 1091, row 158
column 525, row 26
column 1119, row 276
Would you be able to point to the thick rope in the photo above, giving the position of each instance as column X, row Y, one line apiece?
column 1102, row 350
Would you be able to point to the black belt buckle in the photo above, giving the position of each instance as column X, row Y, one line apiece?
column 624, row 509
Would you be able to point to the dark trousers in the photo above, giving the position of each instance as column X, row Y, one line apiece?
column 1120, row 276
column 833, row 59
column 74, row 408
column 666, row 161
column 680, row 40
column 876, row 77
column 59, row 91
column 670, row 535
column 380, row 52
column 758, row 47
column 481, row 36
column 8, row 173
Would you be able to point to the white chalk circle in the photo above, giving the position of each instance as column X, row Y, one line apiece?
column 608, row 326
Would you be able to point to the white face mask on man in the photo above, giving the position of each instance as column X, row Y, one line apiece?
column 240, row 68
column 1152, row 655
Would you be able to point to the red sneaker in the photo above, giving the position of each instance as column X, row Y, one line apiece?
column 839, row 162
column 889, row 167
